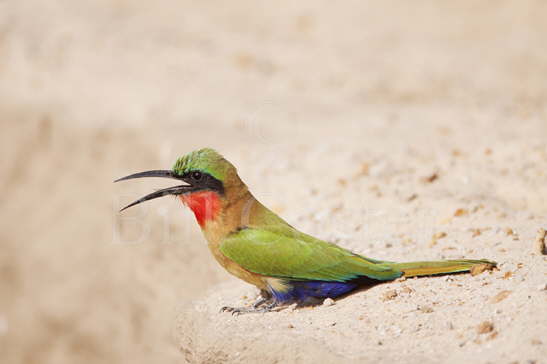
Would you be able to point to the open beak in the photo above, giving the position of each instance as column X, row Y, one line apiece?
column 175, row 190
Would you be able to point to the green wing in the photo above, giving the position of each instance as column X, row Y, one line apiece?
column 288, row 253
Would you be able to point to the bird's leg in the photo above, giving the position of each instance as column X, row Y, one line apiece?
column 265, row 296
column 264, row 300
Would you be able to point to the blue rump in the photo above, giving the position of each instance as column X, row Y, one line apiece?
column 300, row 291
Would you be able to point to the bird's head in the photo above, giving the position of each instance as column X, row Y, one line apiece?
column 206, row 176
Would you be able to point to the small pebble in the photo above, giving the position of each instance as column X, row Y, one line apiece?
column 412, row 197
column 328, row 302
column 389, row 295
column 500, row 296
column 479, row 268
column 461, row 212
column 539, row 246
column 425, row 309
column 492, row 336
column 485, row 327
column 407, row 290
column 439, row 235
column 431, row 178
column 475, row 232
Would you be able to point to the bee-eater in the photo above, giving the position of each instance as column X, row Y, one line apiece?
column 259, row 247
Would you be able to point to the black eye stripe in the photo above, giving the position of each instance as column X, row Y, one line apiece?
column 204, row 181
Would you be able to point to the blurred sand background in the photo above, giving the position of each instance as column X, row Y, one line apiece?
column 402, row 130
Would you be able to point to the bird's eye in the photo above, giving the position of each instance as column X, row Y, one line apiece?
column 196, row 175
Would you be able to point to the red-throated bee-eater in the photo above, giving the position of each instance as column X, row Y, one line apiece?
column 257, row 246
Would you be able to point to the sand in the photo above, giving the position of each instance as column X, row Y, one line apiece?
column 400, row 131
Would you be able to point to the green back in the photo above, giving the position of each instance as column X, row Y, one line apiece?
column 284, row 252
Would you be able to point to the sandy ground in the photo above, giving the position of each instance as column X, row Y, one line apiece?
column 401, row 131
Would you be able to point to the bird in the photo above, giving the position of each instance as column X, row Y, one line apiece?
column 256, row 245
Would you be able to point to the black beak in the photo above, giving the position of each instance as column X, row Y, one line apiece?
column 175, row 190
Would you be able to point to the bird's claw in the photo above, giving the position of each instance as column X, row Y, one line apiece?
column 236, row 311
column 265, row 303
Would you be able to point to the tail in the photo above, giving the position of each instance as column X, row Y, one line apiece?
column 416, row 269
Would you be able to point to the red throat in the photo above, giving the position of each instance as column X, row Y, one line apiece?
column 204, row 204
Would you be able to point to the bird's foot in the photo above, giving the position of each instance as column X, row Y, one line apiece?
column 255, row 308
